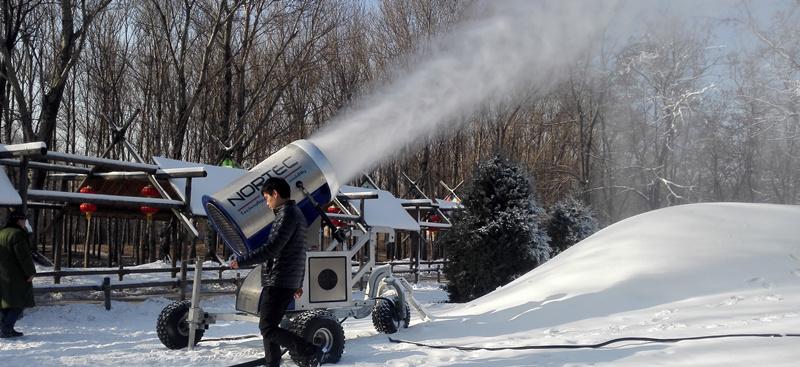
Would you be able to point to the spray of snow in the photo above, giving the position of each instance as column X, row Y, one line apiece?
column 504, row 47
column 513, row 44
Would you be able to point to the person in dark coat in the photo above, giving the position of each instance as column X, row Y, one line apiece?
column 284, row 258
column 16, row 273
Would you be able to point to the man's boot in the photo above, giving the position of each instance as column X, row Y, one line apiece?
column 316, row 355
column 9, row 333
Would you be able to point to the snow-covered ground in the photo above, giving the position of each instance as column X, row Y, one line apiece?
column 683, row 271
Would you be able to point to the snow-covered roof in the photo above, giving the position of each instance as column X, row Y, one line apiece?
column 448, row 205
column 386, row 211
column 218, row 177
column 8, row 195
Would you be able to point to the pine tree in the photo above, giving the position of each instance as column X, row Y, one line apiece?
column 569, row 222
column 497, row 237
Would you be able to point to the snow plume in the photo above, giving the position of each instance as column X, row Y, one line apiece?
column 505, row 45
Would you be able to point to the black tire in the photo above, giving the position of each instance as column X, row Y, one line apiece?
column 321, row 328
column 386, row 316
column 173, row 327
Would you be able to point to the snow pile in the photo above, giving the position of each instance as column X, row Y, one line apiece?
column 661, row 257
column 683, row 271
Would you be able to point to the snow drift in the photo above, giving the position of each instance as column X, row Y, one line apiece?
column 662, row 256
column 679, row 271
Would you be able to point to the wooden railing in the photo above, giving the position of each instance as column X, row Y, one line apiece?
column 106, row 287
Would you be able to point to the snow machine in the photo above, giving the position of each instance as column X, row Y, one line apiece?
column 339, row 260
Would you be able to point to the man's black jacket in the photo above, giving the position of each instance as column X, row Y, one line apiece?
column 286, row 245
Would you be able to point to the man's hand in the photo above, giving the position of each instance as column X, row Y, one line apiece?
column 234, row 264
column 298, row 293
column 30, row 279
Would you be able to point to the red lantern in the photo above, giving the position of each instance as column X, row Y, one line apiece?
column 87, row 208
column 149, row 191
column 148, row 211
column 334, row 210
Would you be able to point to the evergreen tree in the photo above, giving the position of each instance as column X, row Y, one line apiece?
column 569, row 222
column 497, row 237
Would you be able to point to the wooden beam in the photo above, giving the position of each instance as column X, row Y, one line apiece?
column 23, row 150
column 111, row 164
column 113, row 200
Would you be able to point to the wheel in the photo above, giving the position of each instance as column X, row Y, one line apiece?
column 321, row 328
column 173, row 326
column 386, row 316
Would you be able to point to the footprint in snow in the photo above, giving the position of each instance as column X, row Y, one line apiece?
column 770, row 298
column 760, row 281
column 552, row 332
column 732, row 300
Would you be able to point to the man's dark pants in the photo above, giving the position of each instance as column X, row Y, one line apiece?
column 271, row 310
column 8, row 317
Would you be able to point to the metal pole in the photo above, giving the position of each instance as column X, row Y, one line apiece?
column 194, row 310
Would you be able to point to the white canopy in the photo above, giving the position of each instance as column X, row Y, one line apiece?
column 385, row 211
column 8, row 195
column 216, row 179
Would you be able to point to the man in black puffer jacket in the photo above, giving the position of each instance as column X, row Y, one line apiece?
column 284, row 258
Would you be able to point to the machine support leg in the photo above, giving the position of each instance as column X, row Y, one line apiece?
column 400, row 284
column 195, row 310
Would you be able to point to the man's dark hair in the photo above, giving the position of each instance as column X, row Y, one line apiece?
column 16, row 214
column 277, row 184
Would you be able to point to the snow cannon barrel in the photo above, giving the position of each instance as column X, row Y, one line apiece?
column 239, row 212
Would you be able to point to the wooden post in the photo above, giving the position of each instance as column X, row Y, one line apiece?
column 211, row 243
column 121, row 248
column 151, row 244
column 173, row 255
column 419, row 248
column 86, row 243
column 23, row 183
column 107, row 292
column 188, row 209
column 53, row 234
column 139, row 243
column 35, row 226
column 113, row 241
column 58, row 237
column 98, row 238
column 183, row 279
column 68, row 240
